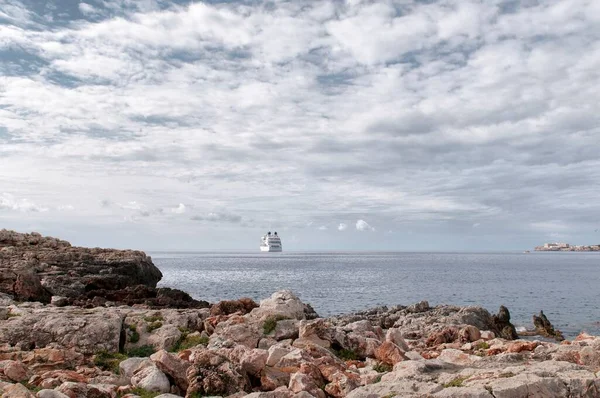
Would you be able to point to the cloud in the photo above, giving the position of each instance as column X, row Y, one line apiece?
column 179, row 209
column 342, row 227
column 362, row 225
column 409, row 114
column 322, row 228
column 218, row 217
column 476, row 225
column 9, row 202
column 87, row 9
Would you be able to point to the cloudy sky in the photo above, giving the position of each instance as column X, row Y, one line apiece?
column 364, row 125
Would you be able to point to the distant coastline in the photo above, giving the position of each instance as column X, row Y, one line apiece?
column 566, row 247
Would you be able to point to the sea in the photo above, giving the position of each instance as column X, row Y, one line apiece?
column 565, row 285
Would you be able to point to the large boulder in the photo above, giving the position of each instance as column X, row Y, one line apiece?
column 284, row 305
column 87, row 331
column 34, row 268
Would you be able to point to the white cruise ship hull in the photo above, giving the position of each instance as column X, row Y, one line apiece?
column 270, row 249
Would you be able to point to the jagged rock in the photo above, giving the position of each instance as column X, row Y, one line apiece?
column 148, row 296
column 389, row 353
column 545, row 328
column 173, row 367
column 213, row 374
column 272, row 378
column 36, row 268
column 130, row 365
column 82, row 390
column 303, row 382
column 226, row 307
column 17, row 391
column 15, row 370
column 502, row 324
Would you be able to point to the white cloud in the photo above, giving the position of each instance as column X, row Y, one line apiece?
column 179, row 209
column 87, row 9
column 476, row 225
column 322, row 228
column 407, row 113
column 9, row 202
column 362, row 225
column 342, row 226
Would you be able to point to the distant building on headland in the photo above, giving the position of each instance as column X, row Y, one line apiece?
column 565, row 247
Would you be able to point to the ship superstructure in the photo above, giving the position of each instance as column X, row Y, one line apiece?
column 270, row 242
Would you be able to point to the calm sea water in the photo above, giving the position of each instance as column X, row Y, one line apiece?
column 566, row 286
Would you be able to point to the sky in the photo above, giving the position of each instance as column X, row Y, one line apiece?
column 343, row 125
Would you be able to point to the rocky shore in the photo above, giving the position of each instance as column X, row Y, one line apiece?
column 78, row 322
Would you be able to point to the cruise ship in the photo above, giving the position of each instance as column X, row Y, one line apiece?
column 270, row 243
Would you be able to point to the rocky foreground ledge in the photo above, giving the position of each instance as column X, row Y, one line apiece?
column 107, row 347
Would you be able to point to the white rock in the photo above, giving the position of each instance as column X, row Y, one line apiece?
column 50, row 394
column 130, row 365
column 394, row 335
column 152, row 379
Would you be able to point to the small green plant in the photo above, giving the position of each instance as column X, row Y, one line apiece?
column 11, row 315
column 109, row 360
column 144, row 393
column 390, row 395
column 271, row 323
column 382, row 367
column 186, row 342
column 153, row 326
column 347, row 355
column 141, row 351
column 378, row 379
column 484, row 345
column 153, row 318
column 134, row 336
column 457, row 382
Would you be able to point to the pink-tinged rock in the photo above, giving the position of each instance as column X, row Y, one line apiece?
column 293, row 359
column 17, row 391
column 254, row 361
column 458, row 357
column 212, row 373
column 272, row 378
column 81, row 390
column 389, row 353
column 342, row 384
column 275, row 353
column 522, row 345
column 60, row 376
column 394, row 335
column 172, row 366
column 302, row 382
column 316, row 332
column 590, row 356
column 487, row 335
column 447, row 335
column 584, row 336
column 468, row 334
column 15, row 370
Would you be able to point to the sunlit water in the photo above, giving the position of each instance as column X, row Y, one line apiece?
column 565, row 285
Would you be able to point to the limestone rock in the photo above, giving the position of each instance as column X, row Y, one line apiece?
column 173, row 367
column 17, row 391
column 150, row 378
column 88, row 331
column 285, row 304
column 128, row 366
column 46, row 393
